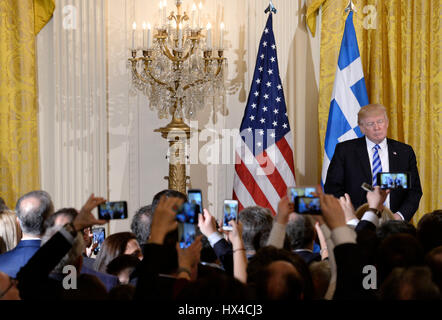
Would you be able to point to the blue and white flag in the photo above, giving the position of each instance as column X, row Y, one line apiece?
column 349, row 95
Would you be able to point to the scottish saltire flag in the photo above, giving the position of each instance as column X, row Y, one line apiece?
column 349, row 95
column 264, row 154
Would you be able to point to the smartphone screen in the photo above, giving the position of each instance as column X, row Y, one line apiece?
column 195, row 196
column 293, row 192
column 98, row 236
column 186, row 234
column 307, row 205
column 389, row 180
column 187, row 213
column 230, row 213
column 112, row 210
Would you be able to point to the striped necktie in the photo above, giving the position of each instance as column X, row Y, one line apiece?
column 377, row 167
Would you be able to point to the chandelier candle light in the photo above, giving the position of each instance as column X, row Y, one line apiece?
column 179, row 71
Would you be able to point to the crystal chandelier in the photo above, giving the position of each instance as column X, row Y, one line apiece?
column 180, row 71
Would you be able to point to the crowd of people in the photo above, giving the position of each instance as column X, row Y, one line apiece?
column 289, row 256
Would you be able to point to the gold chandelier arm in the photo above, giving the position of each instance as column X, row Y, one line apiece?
column 145, row 80
column 219, row 68
column 196, row 82
column 167, row 53
column 199, row 81
column 189, row 53
column 159, row 81
column 135, row 71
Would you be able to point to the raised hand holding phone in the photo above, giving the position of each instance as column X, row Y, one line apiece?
column 164, row 219
column 376, row 198
column 347, row 206
column 332, row 212
column 207, row 223
column 85, row 218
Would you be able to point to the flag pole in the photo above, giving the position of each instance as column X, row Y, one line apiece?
column 271, row 8
column 350, row 7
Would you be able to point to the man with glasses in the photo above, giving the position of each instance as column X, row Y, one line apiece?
column 359, row 160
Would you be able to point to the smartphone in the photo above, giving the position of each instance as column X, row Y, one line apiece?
column 186, row 234
column 188, row 213
column 195, row 196
column 98, row 236
column 307, row 205
column 293, row 192
column 367, row 187
column 230, row 209
column 394, row 180
column 112, row 210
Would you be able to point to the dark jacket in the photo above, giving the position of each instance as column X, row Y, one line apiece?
column 350, row 167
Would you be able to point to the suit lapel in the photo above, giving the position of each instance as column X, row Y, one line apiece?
column 364, row 158
column 393, row 156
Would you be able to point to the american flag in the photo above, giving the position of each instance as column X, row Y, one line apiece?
column 264, row 154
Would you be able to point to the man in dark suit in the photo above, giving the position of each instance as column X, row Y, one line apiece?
column 35, row 281
column 301, row 235
column 32, row 210
column 352, row 164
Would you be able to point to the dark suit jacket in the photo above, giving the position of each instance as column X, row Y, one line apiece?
column 12, row 261
column 350, row 167
column 108, row 280
column 223, row 251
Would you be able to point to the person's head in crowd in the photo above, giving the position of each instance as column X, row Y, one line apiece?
column 122, row 292
column 398, row 250
column 122, row 267
column 3, row 205
column 278, row 274
column 429, row 230
column 10, row 232
column 215, row 287
column 141, row 222
column 321, row 276
column 413, row 283
column 32, row 210
column 433, row 260
column 115, row 245
column 87, row 236
column 61, row 217
column 393, row 227
column 73, row 257
column 257, row 223
column 8, row 288
column 373, row 122
column 169, row 193
column 89, row 287
column 301, row 233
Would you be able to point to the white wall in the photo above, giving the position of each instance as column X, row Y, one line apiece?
column 136, row 154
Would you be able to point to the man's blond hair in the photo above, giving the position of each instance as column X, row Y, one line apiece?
column 369, row 110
